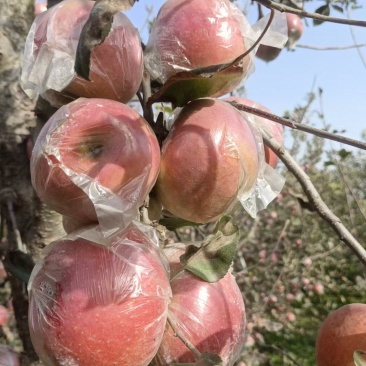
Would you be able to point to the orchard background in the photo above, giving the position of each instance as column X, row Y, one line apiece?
column 291, row 266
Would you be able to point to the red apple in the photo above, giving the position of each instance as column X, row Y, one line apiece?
column 342, row 333
column 210, row 157
column 116, row 64
column 295, row 28
column 4, row 315
column 94, row 305
column 8, row 357
column 95, row 152
column 191, row 34
column 272, row 128
column 211, row 316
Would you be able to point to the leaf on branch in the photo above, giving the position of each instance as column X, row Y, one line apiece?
column 323, row 10
column 95, row 31
column 359, row 358
column 213, row 258
column 206, row 359
column 337, row 8
column 185, row 86
column 343, row 153
column 173, row 223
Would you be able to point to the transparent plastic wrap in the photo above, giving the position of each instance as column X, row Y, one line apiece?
column 96, row 160
column 48, row 64
column 212, row 158
column 97, row 301
column 193, row 34
column 211, row 316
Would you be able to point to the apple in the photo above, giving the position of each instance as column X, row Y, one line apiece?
column 8, row 357
column 295, row 28
column 211, row 316
column 210, row 157
column 116, row 64
column 94, row 305
column 272, row 128
column 91, row 152
column 4, row 315
column 341, row 333
column 192, row 34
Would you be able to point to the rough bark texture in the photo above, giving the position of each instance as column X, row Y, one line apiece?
column 36, row 225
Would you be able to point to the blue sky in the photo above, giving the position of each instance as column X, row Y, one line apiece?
column 283, row 83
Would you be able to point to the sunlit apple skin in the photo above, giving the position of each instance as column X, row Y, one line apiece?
column 191, row 34
column 272, row 128
column 342, row 333
column 98, row 140
column 116, row 65
column 95, row 305
column 209, row 157
column 295, row 29
column 210, row 315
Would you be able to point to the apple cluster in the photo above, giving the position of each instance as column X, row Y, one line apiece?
column 109, row 293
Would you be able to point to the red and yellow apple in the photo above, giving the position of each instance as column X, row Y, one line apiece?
column 211, row 316
column 192, row 34
column 272, row 128
column 209, row 158
column 93, row 304
column 340, row 335
column 116, row 65
column 295, row 28
column 90, row 152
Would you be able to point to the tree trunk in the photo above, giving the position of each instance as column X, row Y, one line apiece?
column 29, row 224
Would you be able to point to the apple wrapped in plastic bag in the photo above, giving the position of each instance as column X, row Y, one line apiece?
column 48, row 64
column 97, row 301
column 95, row 160
column 210, row 316
column 213, row 158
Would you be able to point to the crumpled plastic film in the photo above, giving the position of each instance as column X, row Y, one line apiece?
column 50, row 49
column 276, row 36
column 269, row 182
column 211, row 316
column 97, row 301
column 96, row 160
column 212, row 34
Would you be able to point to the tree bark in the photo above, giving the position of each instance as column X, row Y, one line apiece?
column 29, row 224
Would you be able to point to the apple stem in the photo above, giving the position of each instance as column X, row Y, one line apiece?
column 177, row 333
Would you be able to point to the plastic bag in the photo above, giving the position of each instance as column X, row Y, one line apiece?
column 97, row 301
column 212, row 158
column 211, row 316
column 96, row 160
column 50, row 49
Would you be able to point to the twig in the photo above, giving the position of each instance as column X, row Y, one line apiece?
column 331, row 48
column 284, row 353
column 189, row 345
column 355, row 41
column 314, row 198
column 299, row 126
column 288, row 9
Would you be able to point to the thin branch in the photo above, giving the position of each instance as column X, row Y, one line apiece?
column 355, row 40
column 314, row 198
column 298, row 126
column 188, row 344
column 331, row 48
column 288, row 9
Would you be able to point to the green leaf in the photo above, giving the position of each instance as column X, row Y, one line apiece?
column 173, row 223
column 95, row 31
column 359, row 358
column 206, row 359
column 323, row 10
column 213, row 258
column 185, row 86
column 337, row 8
column 343, row 153
column 328, row 163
